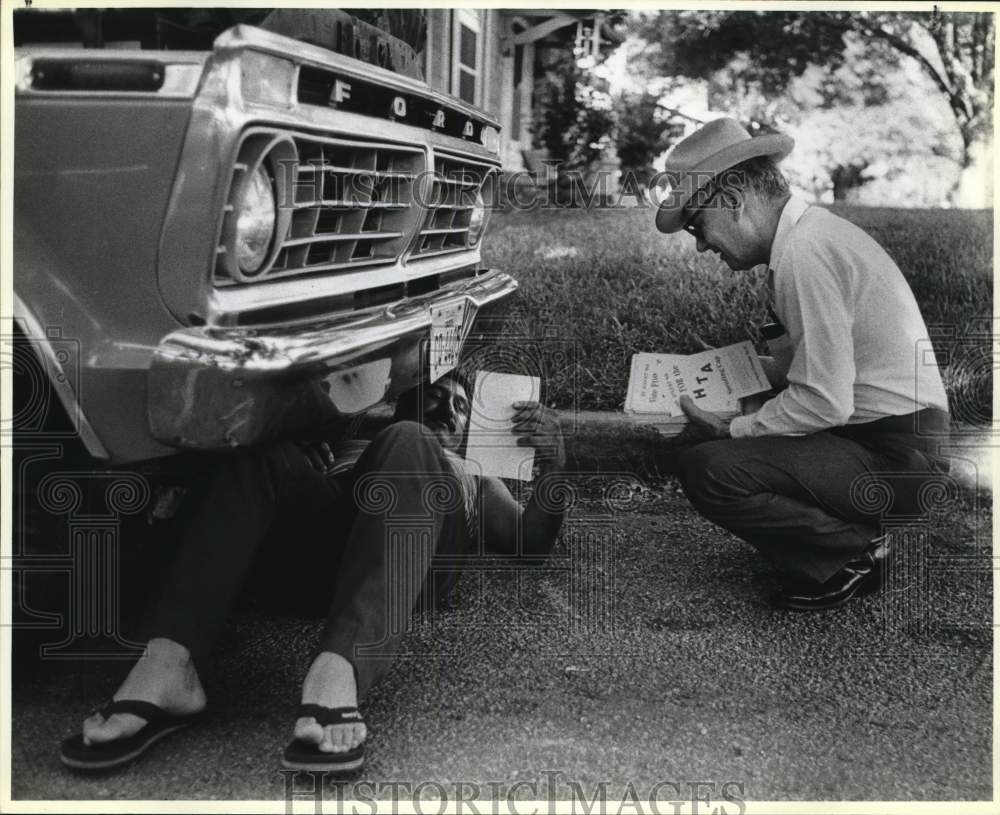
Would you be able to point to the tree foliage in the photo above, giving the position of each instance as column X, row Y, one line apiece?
column 953, row 49
column 640, row 133
column 575, row 118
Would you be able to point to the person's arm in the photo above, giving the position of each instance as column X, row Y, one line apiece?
column 536, row 526
column 818, row 314
column 777, row 377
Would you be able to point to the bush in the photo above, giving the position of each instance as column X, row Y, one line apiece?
column 641, row 134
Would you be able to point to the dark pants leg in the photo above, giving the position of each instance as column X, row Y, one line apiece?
column 792, row 497
column 244, row 495
column 409, row 505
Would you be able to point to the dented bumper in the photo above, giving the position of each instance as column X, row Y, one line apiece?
column 215, row 388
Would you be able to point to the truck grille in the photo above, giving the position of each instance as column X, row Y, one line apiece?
column 343, row 204
column 458, row 180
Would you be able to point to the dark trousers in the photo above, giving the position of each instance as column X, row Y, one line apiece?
column 806, row 502
column 368, row 538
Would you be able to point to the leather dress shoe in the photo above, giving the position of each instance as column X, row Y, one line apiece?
column 859, row 577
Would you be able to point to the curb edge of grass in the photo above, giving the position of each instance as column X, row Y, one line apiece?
column 606, row 442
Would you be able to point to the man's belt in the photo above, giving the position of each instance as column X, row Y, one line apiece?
column 924, row 428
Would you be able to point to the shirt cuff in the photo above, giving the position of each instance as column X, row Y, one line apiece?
column 739, row 428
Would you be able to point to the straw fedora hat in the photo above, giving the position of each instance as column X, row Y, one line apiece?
column 719, row 145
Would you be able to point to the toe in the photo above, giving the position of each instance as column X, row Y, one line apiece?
column 353, row 736
column 307, row 729
column 97, row 729
column 342, row 738
column 327, row 744
column 93, row 728
column 335, row 738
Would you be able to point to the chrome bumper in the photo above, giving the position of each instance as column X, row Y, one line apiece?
column 217, row 388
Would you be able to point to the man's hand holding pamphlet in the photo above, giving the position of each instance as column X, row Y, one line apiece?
column 715, row 380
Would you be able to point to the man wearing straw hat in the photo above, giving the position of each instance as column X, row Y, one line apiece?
column 858, row 400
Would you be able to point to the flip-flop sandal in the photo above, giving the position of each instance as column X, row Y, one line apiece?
column 107, row 755
column 304, row 755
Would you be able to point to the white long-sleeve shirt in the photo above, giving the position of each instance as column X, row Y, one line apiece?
column 861, row 348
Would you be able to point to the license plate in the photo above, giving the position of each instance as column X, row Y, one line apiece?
column 447, row 333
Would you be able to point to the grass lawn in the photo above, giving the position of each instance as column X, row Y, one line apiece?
column 600, row 285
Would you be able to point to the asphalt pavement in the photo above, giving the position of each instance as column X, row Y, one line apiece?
column 643, row 660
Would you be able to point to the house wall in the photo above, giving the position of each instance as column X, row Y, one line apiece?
column 505, row 72
column 495, row 85
column 437, row 69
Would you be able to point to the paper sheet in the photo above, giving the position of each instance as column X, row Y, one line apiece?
column 492, row 446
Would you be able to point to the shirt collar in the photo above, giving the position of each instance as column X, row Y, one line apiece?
column 790, row 215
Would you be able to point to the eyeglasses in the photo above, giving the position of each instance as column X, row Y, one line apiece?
column 693, row 225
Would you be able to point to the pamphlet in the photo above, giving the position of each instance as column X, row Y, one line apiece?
column 492, row 447
column 715, row 379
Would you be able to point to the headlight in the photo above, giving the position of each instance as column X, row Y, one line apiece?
column 255, row 213
column 477, row 220
column 259, row 207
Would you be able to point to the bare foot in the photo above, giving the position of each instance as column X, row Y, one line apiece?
column 330, row 683
column 165, row 676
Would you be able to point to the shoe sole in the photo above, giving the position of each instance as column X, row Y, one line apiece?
column 862, row 590
column 119, row 761
column 872, row 584
column 340, row 768
column 791, row 605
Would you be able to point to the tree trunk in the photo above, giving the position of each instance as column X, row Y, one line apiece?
column 974, row 187
column 846, row 180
